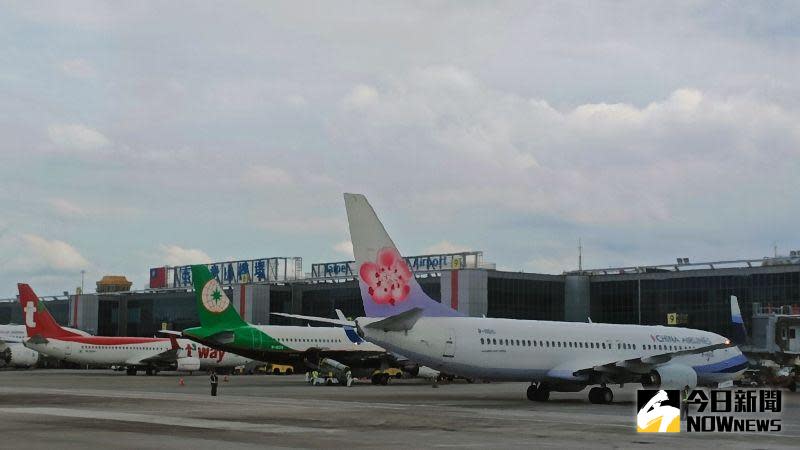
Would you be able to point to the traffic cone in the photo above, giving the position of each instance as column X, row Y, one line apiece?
column 180, row 382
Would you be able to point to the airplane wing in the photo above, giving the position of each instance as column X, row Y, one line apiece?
column 578, row 369
column 349, row 323
column 398, row 322
column 165, row 357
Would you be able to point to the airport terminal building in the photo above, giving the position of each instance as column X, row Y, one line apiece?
column 695, row 295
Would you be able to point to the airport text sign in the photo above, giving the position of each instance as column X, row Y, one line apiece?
column 234, row 272
column 423, row 263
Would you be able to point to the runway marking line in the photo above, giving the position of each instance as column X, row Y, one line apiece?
column 164, row 420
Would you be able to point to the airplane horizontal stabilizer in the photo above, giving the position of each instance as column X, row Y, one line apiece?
column 171, row 332
column 398, row 322
column 346, row 323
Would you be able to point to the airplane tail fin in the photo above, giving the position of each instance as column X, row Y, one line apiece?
column 388, row 286
column 739, row 335
column 214, row 307
column 38, row 320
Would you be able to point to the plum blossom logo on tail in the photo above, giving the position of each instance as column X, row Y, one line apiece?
column 388, row 277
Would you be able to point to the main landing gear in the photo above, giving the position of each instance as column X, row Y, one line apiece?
column 601, row 395
column 538, row 392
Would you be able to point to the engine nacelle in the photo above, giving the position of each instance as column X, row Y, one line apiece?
column 674, row 376
column 17, row 355
column 188, row 364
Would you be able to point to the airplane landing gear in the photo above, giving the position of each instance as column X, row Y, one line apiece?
column 601, row 395
column 538, row 392
column 131, row 371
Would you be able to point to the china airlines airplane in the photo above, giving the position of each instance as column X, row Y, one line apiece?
column 151, row 354
column 553, row 356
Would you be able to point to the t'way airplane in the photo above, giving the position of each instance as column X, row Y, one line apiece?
column 553, row 356
column 46, row 336
column 336, row 349
column 13, row 352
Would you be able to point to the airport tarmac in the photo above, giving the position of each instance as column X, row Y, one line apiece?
column 94, row 409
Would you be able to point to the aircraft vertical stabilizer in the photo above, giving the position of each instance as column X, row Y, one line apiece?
column 38, row 320
column 739, row 335
column 388, row 286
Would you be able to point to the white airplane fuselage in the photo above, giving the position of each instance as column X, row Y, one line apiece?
column 529, row 350
column 102, row 350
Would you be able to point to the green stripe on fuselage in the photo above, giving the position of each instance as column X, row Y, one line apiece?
column 244, row 338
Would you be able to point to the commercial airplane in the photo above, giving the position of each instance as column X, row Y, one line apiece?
column 335, row 349
column 45, row 336
column 553, row 356
column 13, row 352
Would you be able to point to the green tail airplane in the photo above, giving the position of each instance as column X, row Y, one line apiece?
column 335, row 349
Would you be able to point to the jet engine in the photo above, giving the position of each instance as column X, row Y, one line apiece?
column 188, row 364
column 17, row 355
column 675, row 376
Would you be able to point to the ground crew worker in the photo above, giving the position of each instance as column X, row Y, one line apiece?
column 214, row 382
column 685, row 402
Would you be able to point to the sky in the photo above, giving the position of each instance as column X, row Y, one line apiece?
column 141, row 134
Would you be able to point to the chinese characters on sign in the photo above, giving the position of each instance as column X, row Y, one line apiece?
column 237, row 272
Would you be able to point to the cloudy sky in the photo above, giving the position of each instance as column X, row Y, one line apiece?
column 142, row 134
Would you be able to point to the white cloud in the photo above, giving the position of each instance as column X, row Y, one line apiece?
column 592, row 164
column 260, row 175
column 174, row 255
column 362, row 96
column 345, row 248
column 66, row 208
column 445, row 247
column 53, row 254
column 69, row 209
column 78, row 68
column 76, row 137
column 296, row 101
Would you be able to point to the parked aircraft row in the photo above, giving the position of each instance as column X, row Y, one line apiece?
column 400, row 319
column 46, row 336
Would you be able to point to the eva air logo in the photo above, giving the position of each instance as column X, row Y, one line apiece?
column 214, row 298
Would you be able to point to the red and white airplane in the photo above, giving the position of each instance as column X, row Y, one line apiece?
column 47, row 337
